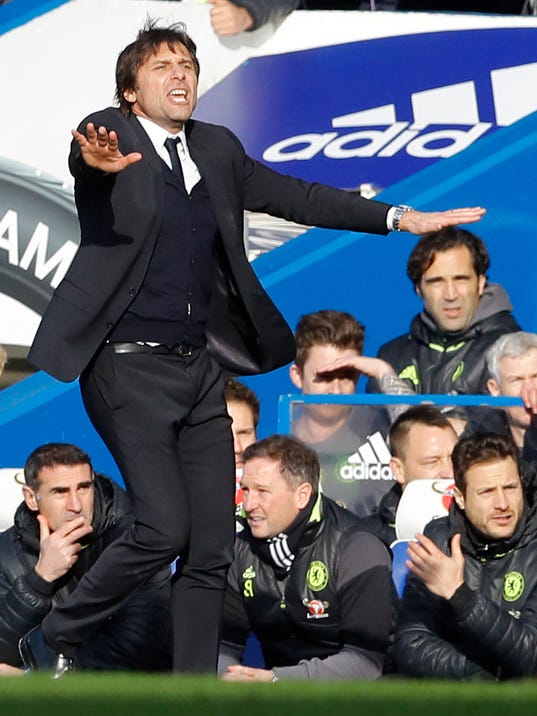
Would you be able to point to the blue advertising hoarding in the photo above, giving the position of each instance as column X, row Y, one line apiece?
column 377, row 110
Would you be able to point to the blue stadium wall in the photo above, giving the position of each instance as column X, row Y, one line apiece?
column 333, row 269
column 361, row 273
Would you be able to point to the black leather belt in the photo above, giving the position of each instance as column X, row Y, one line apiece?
column 177, row 349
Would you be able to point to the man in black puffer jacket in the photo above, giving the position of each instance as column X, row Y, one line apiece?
column 444, row 351
column 68, row 517
column 469, row 609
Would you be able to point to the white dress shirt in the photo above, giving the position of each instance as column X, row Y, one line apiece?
column 158, row 136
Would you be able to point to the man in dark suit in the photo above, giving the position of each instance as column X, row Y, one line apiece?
column 158, row 301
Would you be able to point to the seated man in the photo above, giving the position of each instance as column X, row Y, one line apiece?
column 462, row 316
column 512, row 364
column 468, row 611
column 243, row 407
column 312, row 587
column 421, row 442
column 349, row 440
column 68, row 517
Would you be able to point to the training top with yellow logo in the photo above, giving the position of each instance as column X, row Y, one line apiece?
column 433, row 361
column 333, row 610
column 488, row 629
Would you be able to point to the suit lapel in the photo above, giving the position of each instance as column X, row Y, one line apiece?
column 221, row 192
column 144, row 145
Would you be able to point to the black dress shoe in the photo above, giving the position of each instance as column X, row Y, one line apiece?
column 37, row 655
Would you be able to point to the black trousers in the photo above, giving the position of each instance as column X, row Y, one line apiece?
column 164, row 419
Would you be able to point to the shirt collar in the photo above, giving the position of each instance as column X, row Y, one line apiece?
column 158, row 134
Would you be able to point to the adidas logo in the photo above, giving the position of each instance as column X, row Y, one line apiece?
column 454, row 107
column 370, row 462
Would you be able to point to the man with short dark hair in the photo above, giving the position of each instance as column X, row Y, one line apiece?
column 421, row 442
column 328, row 362
column 462, row 316
column 68, row 517
column 468, row 611
column 313, row 588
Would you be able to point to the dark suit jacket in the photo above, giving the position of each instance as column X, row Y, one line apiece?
column 120, row 216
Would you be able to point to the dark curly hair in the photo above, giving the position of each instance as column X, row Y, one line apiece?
column 424, row 252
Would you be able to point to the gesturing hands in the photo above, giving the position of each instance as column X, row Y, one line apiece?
column 442, row 575
column 58, row 551
column 100, row 150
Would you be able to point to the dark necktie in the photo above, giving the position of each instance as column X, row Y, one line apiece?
column 171, row 146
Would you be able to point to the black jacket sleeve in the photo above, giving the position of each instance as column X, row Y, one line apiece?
column 263, row 11
column 25, row 602
column 420, row 648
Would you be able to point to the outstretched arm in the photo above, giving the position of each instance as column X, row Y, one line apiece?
column 100, row 149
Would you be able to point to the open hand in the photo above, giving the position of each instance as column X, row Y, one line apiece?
column 100, row 149
column 442, row 575
column 421, row 222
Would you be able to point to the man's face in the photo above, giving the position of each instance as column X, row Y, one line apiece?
column 341, row 382
column 493, row 499
column 65, row 493
column 269, row 503
column 516, row 374
column 426, row 454
column 242, row 427
column 450, row 289
column 166, row 88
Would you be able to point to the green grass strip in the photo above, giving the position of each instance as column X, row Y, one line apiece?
column 134, row 695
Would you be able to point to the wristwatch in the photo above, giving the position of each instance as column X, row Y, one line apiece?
column 398, row 213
